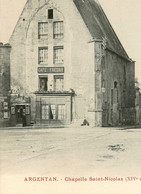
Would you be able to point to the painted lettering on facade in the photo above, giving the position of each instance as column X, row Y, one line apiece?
column 50, row 69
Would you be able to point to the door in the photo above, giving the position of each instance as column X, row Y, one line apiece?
column 20, row 109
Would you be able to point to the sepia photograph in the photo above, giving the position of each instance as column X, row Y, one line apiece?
column 70, row 97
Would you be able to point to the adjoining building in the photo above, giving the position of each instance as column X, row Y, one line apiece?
column 68, row 65
column 4, row 84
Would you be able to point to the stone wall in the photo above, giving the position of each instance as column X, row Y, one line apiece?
column 103, row 81
column 119, row 96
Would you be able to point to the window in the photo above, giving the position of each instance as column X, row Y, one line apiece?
column 43, row 30
column 48, row 112
column 45, row 111
column 58, row 82
column 52, row 112
column 58, row 29
column 61, row 112
column 115, row 84
column 50, row 13
column 58, row 55
column 43, row 55
column 43, row 83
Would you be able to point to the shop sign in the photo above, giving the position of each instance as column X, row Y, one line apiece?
column 50, row 69
column 20, row 99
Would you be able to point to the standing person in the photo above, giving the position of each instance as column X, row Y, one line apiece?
column 24, row 119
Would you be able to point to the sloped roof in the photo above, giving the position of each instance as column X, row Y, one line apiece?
column 98, row 24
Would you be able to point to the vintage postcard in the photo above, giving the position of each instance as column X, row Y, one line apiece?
column 70, row 97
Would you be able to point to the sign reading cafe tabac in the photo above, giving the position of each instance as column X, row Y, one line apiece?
column 50, row 69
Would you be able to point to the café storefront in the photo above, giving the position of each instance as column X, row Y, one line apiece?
column 53, row 104
column 53, row 108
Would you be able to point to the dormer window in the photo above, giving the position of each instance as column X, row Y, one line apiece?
column 50, row 13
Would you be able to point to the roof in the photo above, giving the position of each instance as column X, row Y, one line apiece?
column 98, row 25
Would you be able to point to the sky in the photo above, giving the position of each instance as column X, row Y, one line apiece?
column 124, row 16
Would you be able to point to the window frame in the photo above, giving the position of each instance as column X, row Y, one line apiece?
column 54, row 110
column 52, row 14
column 39, row 83
column 48, row 113
column 64, row 115
column 42, row 48
column 55, row 77
column 44, row 105
column 44, row 34
column 56, row 116
column 61, row 34
column 57, row 48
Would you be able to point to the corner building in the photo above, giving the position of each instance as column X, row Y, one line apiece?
column 68, row 62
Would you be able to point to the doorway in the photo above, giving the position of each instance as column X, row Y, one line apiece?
column 20, row 111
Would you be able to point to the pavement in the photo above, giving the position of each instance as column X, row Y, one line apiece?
column 71, row 152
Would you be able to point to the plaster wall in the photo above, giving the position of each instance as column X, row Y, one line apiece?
column 78, row 53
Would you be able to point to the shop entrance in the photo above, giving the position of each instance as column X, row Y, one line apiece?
column 20, row 112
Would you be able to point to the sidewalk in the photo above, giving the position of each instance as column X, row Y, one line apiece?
column 69, row 126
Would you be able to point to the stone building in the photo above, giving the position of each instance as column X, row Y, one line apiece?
column 138, row 102
column 4, row 84
column 68, row 65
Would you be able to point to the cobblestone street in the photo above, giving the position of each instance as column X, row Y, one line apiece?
column 80, row 152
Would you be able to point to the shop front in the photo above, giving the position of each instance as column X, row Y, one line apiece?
column 20, row 111
column 54, row 108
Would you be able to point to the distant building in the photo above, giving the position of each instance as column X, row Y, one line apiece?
column 4, row 84
column 68, row 65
